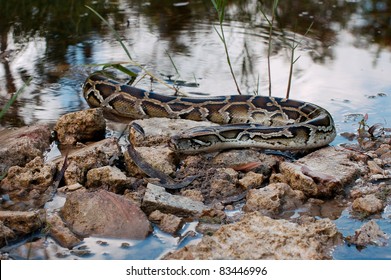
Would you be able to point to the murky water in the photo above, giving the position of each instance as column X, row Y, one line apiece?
column 344, row 59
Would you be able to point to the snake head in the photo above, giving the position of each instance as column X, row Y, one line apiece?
column 195, row 140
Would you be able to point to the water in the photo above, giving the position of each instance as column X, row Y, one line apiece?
column 343, row 65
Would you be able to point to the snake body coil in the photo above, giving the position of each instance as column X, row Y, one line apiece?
column 246, row 120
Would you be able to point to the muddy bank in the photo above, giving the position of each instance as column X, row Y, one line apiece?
column 238, row 197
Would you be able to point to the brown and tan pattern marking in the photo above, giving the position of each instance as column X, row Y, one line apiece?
column 246, row 120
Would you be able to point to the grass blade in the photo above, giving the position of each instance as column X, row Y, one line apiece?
column 14, row 97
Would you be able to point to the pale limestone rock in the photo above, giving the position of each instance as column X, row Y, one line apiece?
column 81, row 126
column 160, row 158
column 273, row 199
column 260, row 237
column 28, row 187
column 369, row 204
column 109, row 178
column 167, row 222
column 156, row 198
column 96, row 155
column 23, row 222
column 251, row 180
column 323, row 173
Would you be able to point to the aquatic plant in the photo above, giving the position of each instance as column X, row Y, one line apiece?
column 118, row 65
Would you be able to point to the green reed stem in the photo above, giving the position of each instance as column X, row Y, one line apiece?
column 14, row 97
column 293, row 60
column 219, row 6
column 270, row 45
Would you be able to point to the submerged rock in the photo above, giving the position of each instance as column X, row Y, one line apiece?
column 28, row 187
column 104, row 214
column 260, row 237
column 369, row 234
column 19, row 223
column 19, row 146
column 323, row 173
column 81, row 126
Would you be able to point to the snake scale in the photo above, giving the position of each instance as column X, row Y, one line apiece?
column 245, row 120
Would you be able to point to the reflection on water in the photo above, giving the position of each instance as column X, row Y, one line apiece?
column 344, row 62
column 345, row 55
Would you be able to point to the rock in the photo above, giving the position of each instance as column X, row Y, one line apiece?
column 223, row 183
column 369, row 234
column 59, row 232
column 374, row 168
column 247, row 160
column 70, row 188
column 96, row 155
column 159, row 157
column 273, row 199
column 368, row 205
column 251, row 180
column 81, row 126
column 156, row 198
column 207, row 228
column 158, row 131
column 109, row 178
column 19, row 146
column 23, row 222
column 260, row 237
column 167, row 222
column 28, row 187
column 193, row 194
column 6, row 235
column 104, row 214
column 323, row 173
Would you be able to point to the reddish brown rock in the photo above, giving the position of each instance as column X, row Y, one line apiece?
column 104, row 214
column 19, row 146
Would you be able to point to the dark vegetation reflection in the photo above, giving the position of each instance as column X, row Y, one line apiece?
column 65, row 25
